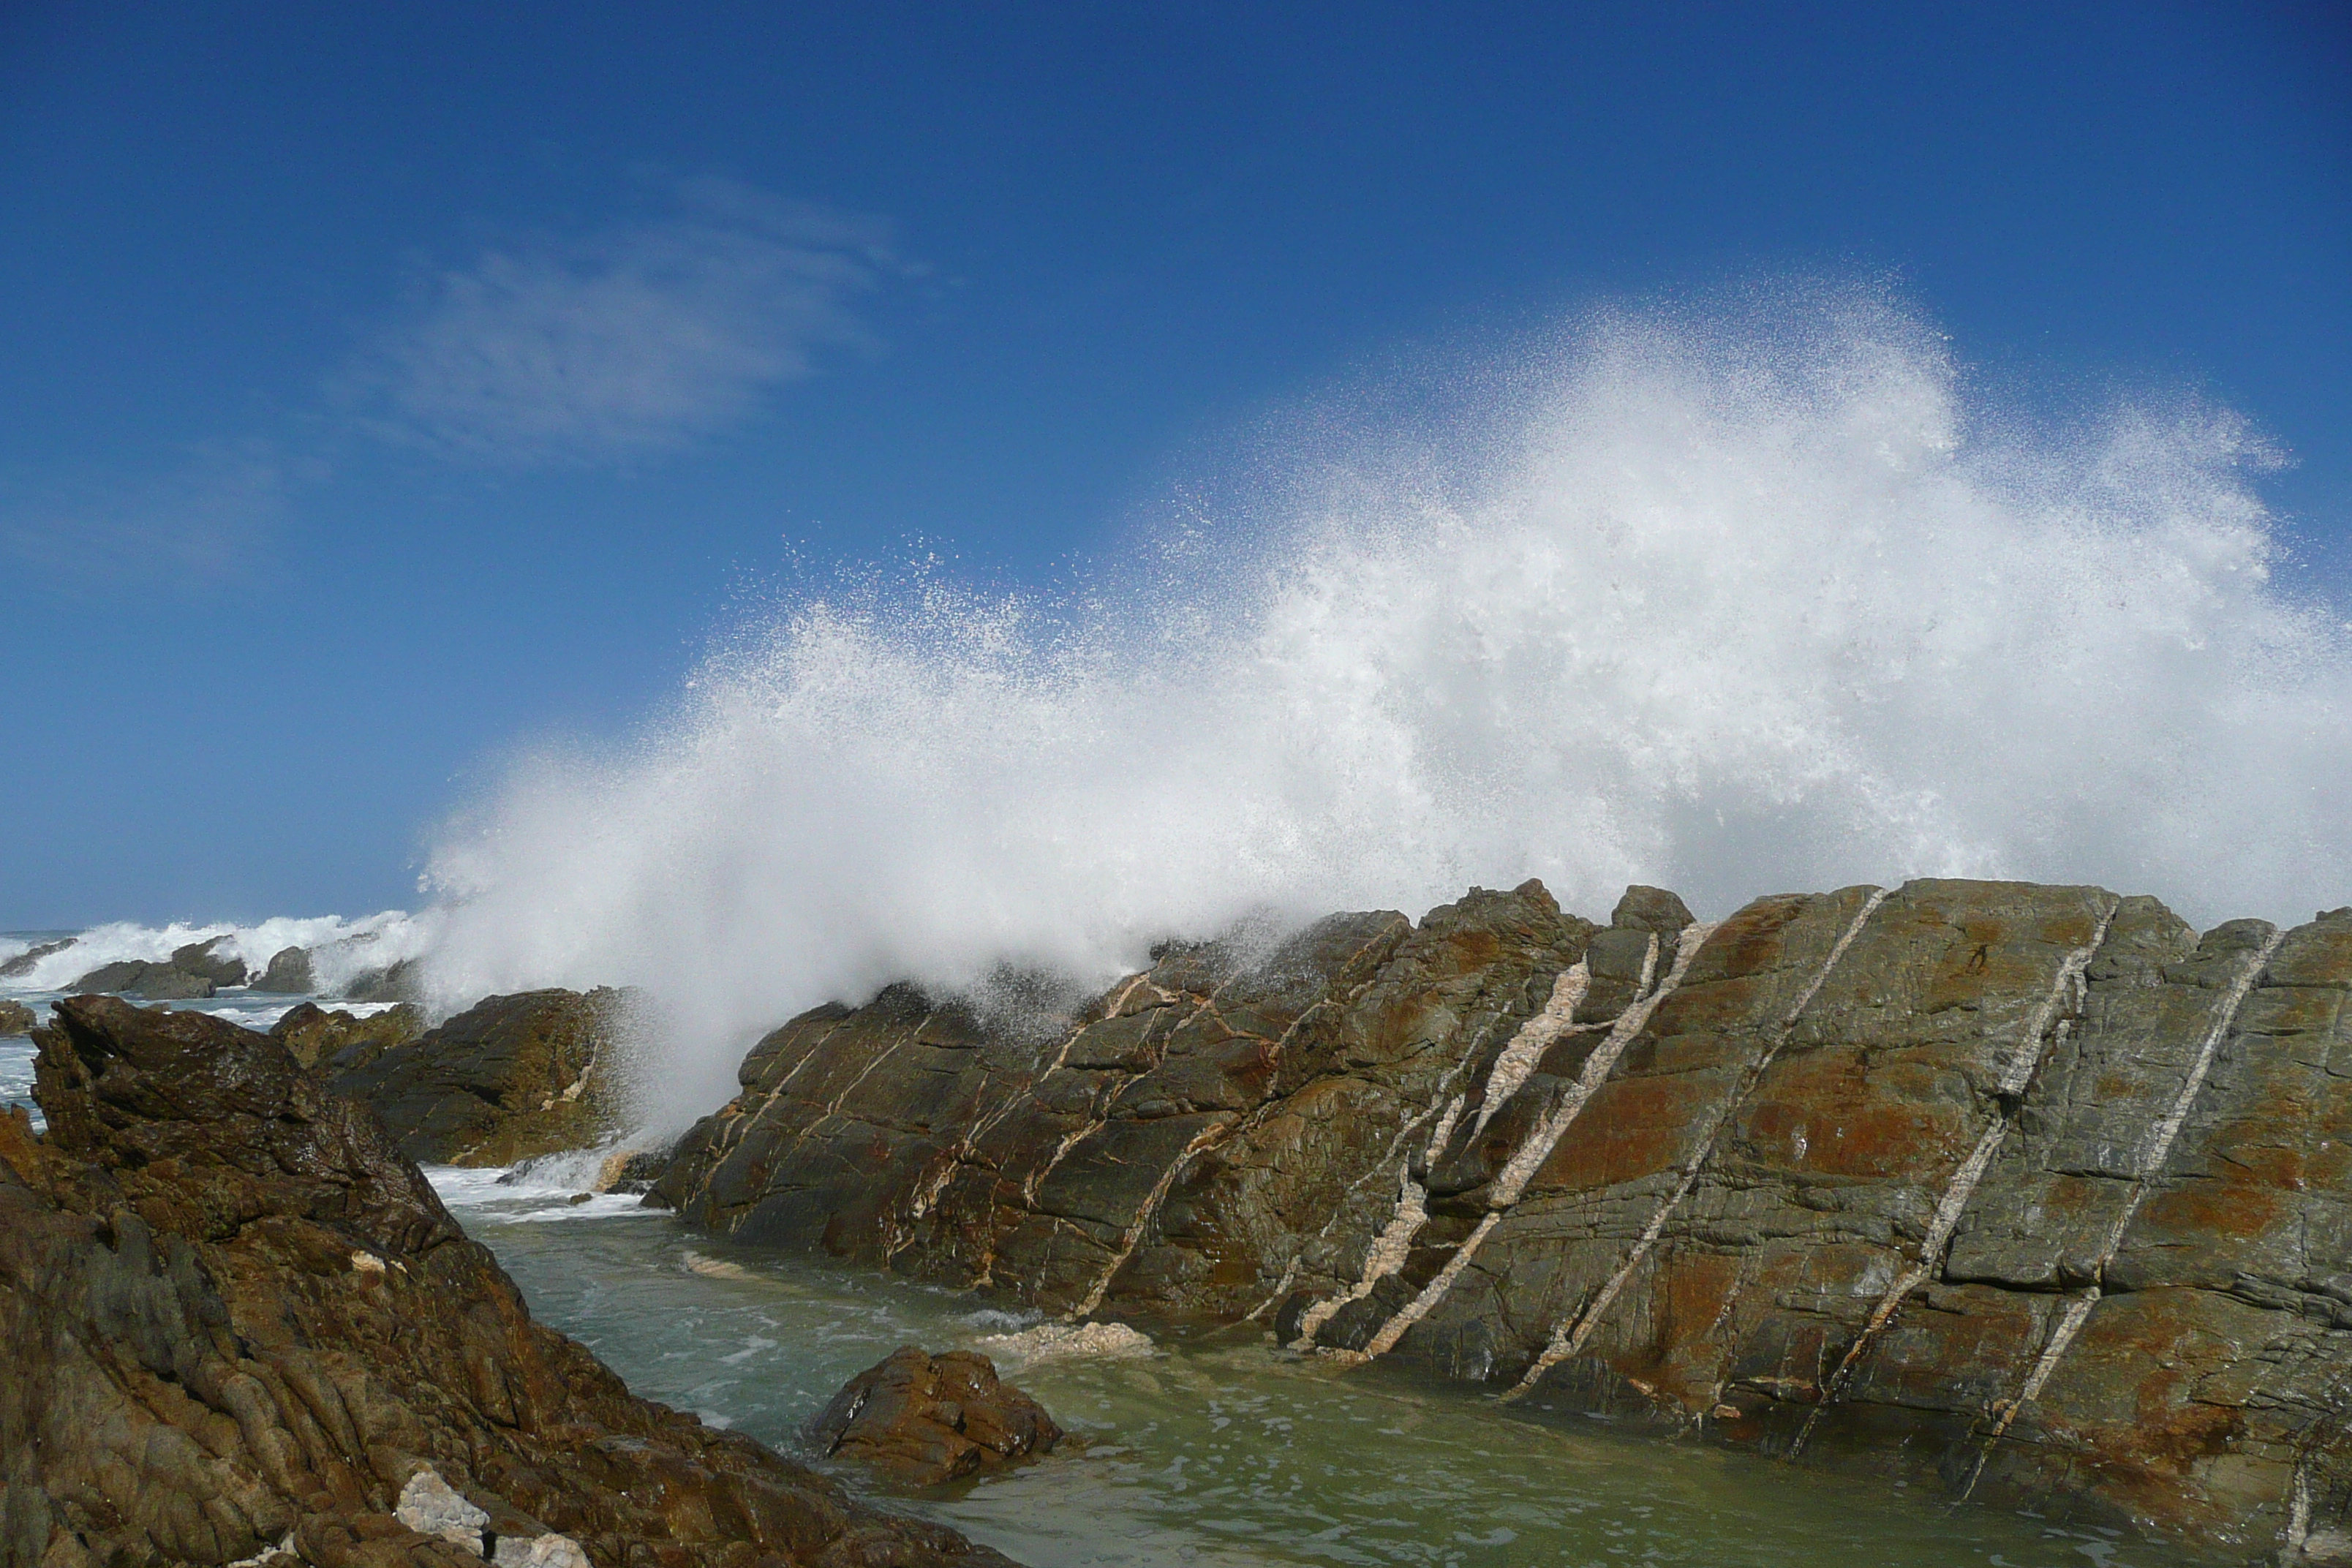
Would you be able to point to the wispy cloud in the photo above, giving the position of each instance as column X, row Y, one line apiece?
column 212, row 517
column 632, row 340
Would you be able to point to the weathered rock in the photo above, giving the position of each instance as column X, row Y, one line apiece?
column 205, row 959
column 16, row 1018
column 511, row 1077
column 345, row 1042
column 922, row 1420
column 148, row 982
column 22, row 964
column 234, row 1317
column 2029, row 1189
column 289, row 973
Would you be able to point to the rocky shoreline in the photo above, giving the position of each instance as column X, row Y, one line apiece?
column 2034, row 1192
column 243, row 1329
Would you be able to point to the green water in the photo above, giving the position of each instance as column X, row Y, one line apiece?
column 1220, row 1449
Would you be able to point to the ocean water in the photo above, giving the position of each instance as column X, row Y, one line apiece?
column 1216, row 1450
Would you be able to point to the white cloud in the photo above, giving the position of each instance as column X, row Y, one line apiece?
column 632, row 340
column 211, row 518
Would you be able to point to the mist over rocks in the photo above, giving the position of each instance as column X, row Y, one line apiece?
column 2034, row 1193
column 1770, row 593
column 241, row 1326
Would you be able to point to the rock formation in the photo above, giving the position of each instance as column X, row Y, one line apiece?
column 289, row 973
column 2033, row 1189
column 202, row 958
column 241, row 1328
column 16, row 1018
column 511, row 1077
column 22, row 964
column 345, row 1041
column 922, row 1420
column 149, row 982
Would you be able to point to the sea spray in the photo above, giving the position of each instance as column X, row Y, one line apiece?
column 1726, row 607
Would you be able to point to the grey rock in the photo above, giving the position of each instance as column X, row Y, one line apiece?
column 22, row 964
column 205, row 958
column 289, row 973
column 148, row 982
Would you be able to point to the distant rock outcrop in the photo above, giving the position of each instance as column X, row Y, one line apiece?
column 16, row 1018
column 240, row 1328
column 921, row 1420
column 203, row 958
column 22, row 964
column 289, row 973
column 148, row 982
column 510, row 1079
column 2032, row 1191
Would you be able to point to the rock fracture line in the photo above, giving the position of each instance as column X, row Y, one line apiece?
column 2032, row 1045
column 1529, row 1157
column 1568, row 1339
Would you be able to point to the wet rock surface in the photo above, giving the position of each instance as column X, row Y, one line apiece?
column 241, row 1326
column 2034, row 1191
column 507, row 1079
column 16, row 1018
column 22, row 964
column 921, row 1420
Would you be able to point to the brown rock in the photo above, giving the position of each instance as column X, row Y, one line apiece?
column 2030, row 1189
column 921, row 1420
column 16, row 1018
column 235, row 1316
column 345, row 1042
column 510, row 1079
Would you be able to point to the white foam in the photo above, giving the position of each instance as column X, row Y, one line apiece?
column 1066, row 1341
column 1777, row 604
column 340, row 950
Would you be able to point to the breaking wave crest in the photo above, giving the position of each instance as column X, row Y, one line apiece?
column 1773, row 604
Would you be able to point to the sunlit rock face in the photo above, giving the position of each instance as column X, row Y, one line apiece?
column 240, row 1327
column 2032, row 1188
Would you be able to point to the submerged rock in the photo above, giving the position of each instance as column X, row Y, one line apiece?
column 240, row 1327
column 507, row 1079
column 922, row 1420
column 289, row 973
column 148, row 982
column 16, row 1018
column 2032, row 1191
column 344, row 1042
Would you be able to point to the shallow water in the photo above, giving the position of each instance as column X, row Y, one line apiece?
column 1218, row 1449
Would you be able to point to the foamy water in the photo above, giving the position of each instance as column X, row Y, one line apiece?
column 1738, row 608
column 340, row 950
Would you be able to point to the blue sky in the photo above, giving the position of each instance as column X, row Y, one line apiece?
column 384, row 386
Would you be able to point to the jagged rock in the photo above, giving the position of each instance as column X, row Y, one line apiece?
column 511, row 1077
column 921, row 1419
column 199, row 958
column 2032, row 1191
column 289, row 973
column 22, row 964
column 16, row 1018
column 240, row 1326
column 345, row 1042
column 148, row 982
